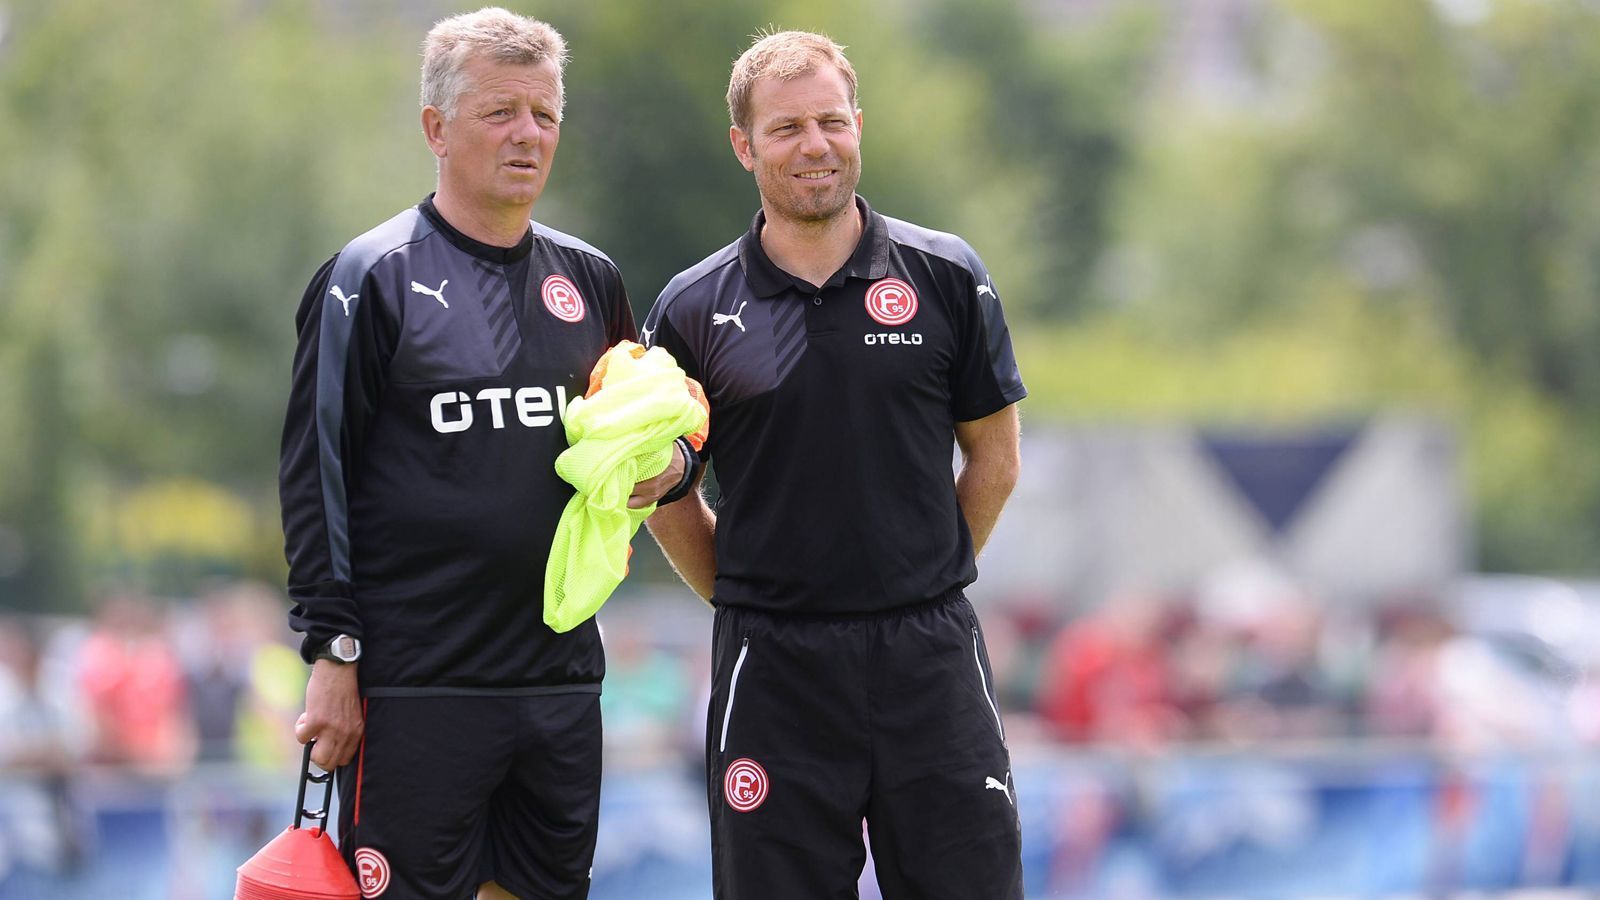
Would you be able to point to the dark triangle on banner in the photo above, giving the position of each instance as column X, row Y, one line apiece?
column 1277, row 473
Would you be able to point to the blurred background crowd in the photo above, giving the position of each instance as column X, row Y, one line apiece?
column 1167, row 743
column 1297, row 595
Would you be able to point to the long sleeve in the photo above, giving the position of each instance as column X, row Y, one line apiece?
column 322, row 448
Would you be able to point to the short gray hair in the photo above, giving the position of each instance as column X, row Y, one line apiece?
column 502, row 36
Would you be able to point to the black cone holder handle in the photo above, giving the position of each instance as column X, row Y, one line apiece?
column 306, row 777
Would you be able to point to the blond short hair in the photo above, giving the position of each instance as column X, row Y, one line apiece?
column 502, row 36
column 782, row 55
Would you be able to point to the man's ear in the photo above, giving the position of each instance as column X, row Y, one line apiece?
column 433, row 130
column 741, row 147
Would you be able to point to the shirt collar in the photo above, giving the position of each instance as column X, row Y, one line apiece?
column 489, row 252
column 870, row 259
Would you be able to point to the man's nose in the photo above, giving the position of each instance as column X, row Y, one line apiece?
column 526, row 129
column 812, row 141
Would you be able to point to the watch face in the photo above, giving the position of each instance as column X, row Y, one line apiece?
column 344, row 647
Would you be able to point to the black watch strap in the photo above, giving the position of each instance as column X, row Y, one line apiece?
column 691, row 471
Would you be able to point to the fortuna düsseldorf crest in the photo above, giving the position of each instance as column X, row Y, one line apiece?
column 745, row 785
column 561, row 297
column 372, row 872
column 891, row 302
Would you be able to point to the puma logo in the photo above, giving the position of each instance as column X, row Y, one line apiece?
column 994, row 784
column 435, row 294
column 724, row 318
column 339, row 295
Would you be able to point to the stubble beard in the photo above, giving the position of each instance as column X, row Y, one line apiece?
column 801, row 206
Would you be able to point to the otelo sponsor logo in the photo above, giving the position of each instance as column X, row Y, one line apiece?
column 892, row 337
column 533, row 407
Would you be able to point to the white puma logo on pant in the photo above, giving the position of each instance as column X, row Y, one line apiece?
column 994, row 784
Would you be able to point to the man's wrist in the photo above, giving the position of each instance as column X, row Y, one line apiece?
column 691, row 466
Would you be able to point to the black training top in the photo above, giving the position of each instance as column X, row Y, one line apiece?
column 417, row 473
column 833, row 413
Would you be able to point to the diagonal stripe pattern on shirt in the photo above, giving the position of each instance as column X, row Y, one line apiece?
column 496, row 294
column 788, row 327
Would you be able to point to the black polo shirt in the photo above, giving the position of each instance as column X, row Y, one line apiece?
column 833, row 413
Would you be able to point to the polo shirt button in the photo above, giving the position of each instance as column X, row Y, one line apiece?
column 816, row 301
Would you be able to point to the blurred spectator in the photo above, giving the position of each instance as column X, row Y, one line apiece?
column 245, row 681
column 216, row 656
column 1107, row 677
column 134, row 688
column 1018, row 633
column 1403, row 697
column 40, row 745
column 1282, row 691
column 1203, row 659
column 646, row 691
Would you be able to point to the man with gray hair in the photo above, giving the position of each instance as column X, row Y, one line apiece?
column 436, row 356
column 846, row 354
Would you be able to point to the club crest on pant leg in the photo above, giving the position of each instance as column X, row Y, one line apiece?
column 745, row 785
column 372, row 872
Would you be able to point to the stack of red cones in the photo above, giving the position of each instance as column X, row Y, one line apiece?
column 301, row 863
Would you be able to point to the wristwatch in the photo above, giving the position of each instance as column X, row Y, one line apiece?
column 342, row 649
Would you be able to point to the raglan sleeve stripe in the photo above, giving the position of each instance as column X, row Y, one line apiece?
column 334, row 327
column 986, row 379
column 621, row 324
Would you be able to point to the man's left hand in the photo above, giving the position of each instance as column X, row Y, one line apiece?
column 652, row 489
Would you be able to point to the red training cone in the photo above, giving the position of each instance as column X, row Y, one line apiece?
column 301, row 863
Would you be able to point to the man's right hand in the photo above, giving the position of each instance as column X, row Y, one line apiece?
column 333, row 714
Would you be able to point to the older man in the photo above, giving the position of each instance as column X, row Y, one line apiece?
column 845, row 354
column 436, row 356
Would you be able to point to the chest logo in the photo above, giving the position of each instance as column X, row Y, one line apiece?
column 891, row 302
column 561, row 297
column 745, row 785
column 435, row 294
column 725, row 318
column 339, row 295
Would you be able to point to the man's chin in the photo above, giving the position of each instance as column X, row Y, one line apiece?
column 818, row 213
column 518, row 197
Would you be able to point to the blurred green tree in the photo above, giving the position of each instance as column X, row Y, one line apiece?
column 1421, row 165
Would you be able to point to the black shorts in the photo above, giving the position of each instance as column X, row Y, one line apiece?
column 816, row 724
column 449, row 792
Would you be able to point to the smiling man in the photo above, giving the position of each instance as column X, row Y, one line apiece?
column 436, row 356
column 845, row 354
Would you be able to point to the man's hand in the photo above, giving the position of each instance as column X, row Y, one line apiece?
column 333, row 714
column 652, row 489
